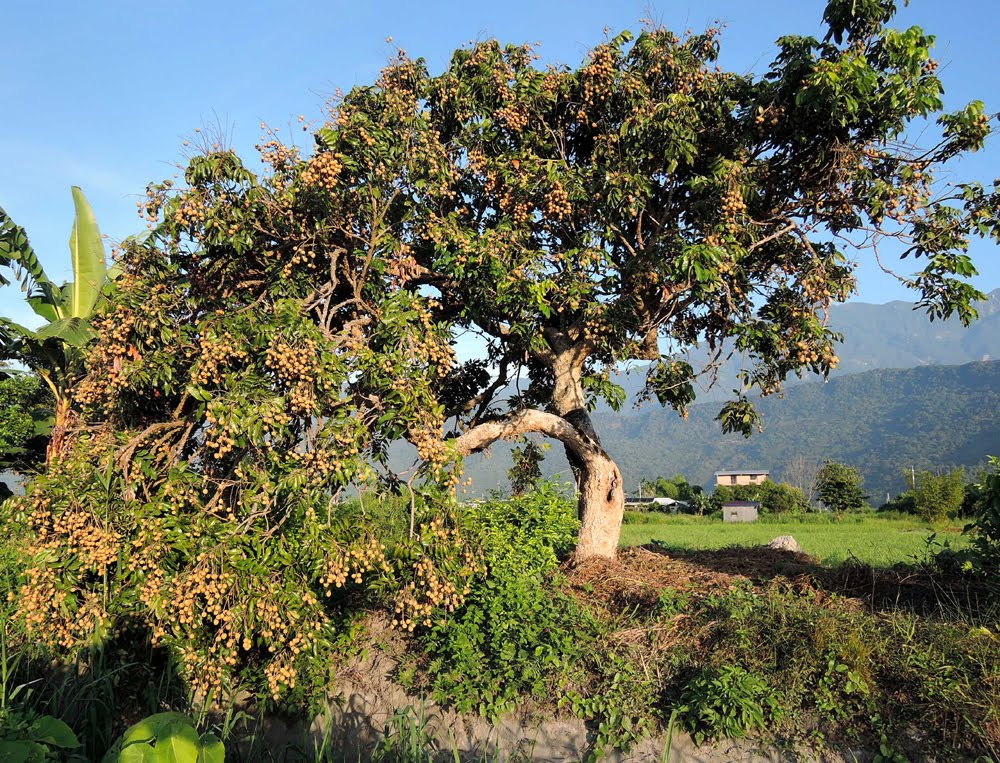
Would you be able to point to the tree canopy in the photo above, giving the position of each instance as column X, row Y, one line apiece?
column 839, row 489
column 275, row 332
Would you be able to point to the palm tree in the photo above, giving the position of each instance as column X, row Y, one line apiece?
column 56, row 351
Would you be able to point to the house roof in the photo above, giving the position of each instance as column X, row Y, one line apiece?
column 741, row 471
column 741, row 505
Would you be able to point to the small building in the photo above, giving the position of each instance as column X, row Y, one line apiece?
column 740, row 511
column 654, row 504
column 741, row 477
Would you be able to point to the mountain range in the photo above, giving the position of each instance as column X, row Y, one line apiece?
column 908, row 394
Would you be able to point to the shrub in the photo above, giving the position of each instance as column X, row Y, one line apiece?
column 513, row 630
column 839, row 488
column 726, row 702
column 937, row 497
column 986, row 527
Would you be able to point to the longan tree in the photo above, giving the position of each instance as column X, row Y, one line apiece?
column 648, row 203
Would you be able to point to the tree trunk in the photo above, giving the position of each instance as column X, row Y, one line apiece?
column 602, row 495
column 63, row 420
column 602, row 507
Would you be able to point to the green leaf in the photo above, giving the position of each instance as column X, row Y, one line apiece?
column 43, row 420
column 43, row 307
column 139, row 752
column 52, row 731
column 73, row 331
column 17, row 752
column 16, row 252
column 87, row 252
column 212, row 750
column 181, row 745
column 155, row 726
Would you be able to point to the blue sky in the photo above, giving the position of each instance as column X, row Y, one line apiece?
column 102, row 95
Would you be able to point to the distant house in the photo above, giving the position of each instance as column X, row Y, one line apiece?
column 654, row 504
column 741, row 477
column 740, row 511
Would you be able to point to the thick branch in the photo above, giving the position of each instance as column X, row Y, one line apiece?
column 524, row 421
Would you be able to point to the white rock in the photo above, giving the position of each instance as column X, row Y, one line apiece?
column 785, row 543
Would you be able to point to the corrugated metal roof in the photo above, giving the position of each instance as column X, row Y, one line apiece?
column 741, row 471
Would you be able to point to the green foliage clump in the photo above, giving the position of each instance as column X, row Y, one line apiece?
column 986, row 525
column 166, row 738
column 513, row 632
column 620, row 704
column 818, row 667
column 676, row 487
column 936, row 497
column 26, row 737
column 25, row 414
column 526, row 472
column 839, row 488
column 774, row 497
column 726, row 702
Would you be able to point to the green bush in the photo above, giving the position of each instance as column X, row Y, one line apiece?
column 774, row 497
column 166, row 738
column 514, row 630
column 986, row 526
column 726, row 702
column 937, row 497
column 26, row 737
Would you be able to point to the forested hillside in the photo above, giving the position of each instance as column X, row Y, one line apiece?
column 890, row 335
column 883, row 421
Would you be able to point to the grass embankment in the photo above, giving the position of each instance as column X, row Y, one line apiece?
column 878, row 540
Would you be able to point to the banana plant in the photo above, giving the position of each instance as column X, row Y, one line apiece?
column 56, row 350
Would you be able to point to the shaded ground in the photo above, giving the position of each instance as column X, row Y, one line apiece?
column 636, row 578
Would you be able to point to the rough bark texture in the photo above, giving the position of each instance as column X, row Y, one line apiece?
column 602, row 507
column 63, row 420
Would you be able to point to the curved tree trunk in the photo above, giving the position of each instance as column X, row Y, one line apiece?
column 63, row 420
column 602, row 497
column 602, row 507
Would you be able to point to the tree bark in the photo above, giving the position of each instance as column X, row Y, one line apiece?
column 602, row 497
column 62, row 421
column 602, row 507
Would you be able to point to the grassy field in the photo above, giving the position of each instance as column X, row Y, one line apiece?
column 877, row 540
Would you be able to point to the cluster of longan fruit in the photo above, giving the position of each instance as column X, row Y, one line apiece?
column 513, row 116
column 292, row 363
column 43, row 604
column 277, row 154
column 191, row 211
column 213, row 354
column 427, row 440
column 353, row 564
column 280, row 673
column 76, row 532
column 418, row 599
column 218, row 439
column 201, row 594
column 598, row 74
column 322, row 171
column 519, row 210
column 732, row 203
column 557, row 203
column 156, row 196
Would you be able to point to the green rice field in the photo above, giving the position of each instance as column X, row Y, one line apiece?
column 879, row 540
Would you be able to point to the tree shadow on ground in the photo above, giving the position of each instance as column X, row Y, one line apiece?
column 636, row 578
